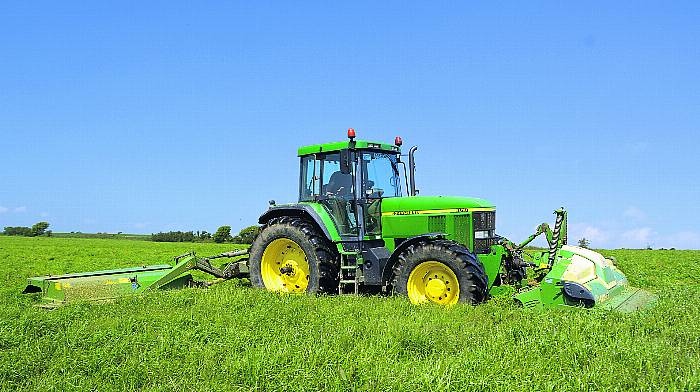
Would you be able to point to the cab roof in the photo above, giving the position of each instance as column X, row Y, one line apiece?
column 337, row 146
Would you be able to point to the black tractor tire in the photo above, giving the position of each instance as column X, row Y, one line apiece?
column 473, row 282
column 321, row 254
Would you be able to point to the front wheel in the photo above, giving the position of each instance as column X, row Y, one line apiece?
column 442, row 272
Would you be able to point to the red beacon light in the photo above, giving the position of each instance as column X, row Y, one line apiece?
column 351, row 133
column 398, row 142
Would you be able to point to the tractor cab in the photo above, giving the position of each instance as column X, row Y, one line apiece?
column 350, row 179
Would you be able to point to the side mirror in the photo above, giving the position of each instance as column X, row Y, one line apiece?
column 345, row 164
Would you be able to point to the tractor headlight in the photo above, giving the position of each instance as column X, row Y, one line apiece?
column 482, row 234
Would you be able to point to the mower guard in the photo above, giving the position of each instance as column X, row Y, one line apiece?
column 109, row 284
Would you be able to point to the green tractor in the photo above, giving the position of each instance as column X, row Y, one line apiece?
column 361, row 227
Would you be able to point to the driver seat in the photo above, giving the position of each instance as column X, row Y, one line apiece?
column 340, row 184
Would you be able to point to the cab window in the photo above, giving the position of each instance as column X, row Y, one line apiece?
column 380, row 175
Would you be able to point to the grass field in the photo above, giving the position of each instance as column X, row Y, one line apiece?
column 231, row 337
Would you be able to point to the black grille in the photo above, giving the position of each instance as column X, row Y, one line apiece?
column 483, row 245
column 484, row 220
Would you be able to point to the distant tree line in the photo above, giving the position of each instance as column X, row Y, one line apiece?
column 38, row 229
column 176, row 236
column 222, row 234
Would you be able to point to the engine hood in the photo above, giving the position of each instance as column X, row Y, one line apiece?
column 437, row 203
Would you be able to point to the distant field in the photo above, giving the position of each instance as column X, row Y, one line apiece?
column 231, row 337
column 141, row 237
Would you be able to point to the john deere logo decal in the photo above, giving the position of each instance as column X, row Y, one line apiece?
column 405, row 212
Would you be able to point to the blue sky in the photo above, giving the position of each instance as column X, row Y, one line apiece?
column 140, row 117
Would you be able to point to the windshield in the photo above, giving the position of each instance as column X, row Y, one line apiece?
column 380, row 175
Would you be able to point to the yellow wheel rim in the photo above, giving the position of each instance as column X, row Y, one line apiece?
column 284, row 267
column 433, row 281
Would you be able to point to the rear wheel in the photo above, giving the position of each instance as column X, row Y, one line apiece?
column 291, row 256
column 442, row 272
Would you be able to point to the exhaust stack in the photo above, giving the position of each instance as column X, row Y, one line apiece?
column 412, row 169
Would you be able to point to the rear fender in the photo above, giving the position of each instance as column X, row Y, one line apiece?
column 304, row 211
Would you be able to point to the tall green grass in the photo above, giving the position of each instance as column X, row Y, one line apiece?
column 232, row 337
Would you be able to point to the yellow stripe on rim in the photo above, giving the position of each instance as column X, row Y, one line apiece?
column 433, row 281
column 443, row 211
column 284, row 267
